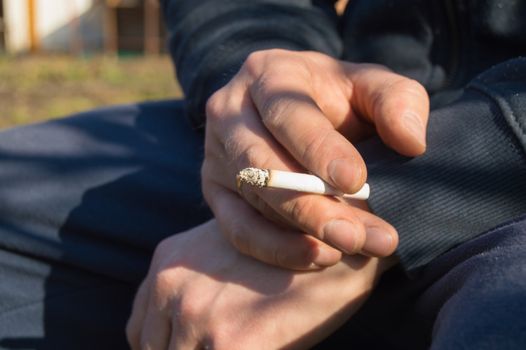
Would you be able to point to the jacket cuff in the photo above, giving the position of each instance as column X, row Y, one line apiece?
column 209, row 40
column 217, row 70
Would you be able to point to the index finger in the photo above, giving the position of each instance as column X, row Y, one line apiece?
column 290, row 113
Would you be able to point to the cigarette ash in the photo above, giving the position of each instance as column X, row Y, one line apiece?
column 254, row 177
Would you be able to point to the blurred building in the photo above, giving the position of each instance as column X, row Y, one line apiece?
column 79, row 26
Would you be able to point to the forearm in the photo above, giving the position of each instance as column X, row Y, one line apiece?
column 209, row 40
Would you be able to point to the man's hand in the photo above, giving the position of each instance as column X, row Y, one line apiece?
column 300, row 111
column 201, row 293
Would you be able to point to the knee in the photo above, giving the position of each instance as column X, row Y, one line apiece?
column 487, row 311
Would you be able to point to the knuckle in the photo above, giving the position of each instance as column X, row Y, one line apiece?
column 378, row 97
column 388, row 98
column 275, row 95
column 189, row 309
column 314, row 141
column 279, row 258
column 411, row 86
column 192, row 305
column 275, row 109
column 254, row 155
column 254, row 62
column 239, row 237
column 164, row 281
column 214, row 106
column 301, row 210
column 360, row 237
column 397, row 96
column 164, row 285
column 406, row 87
column 260, row 61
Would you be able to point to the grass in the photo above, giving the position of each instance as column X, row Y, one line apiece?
column 36, row 88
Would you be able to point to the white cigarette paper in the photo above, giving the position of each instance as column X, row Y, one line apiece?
column 294, row 181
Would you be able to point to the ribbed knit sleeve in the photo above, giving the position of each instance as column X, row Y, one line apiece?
column 210, row 39
column 472, row 177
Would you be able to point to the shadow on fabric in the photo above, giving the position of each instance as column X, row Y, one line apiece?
column 102, row 189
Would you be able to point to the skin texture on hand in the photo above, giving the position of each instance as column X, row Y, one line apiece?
column 302, row 111
column 202, row 293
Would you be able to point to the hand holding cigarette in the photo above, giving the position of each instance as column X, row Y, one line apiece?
column 305, row 110
column 294, row 181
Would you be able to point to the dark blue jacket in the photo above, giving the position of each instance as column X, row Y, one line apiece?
column 466, row 54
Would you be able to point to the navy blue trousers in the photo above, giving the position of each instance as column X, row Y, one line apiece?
column 84, row 200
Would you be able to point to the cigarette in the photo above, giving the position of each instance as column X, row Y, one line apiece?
column 294, row 181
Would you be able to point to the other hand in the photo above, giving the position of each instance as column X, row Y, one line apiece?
column 202, row 293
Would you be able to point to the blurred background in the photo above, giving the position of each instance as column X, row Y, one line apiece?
column 59, row 57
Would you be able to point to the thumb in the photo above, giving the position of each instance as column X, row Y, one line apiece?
column 396, row 105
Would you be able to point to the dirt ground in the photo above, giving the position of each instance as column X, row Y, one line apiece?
column 36, row 88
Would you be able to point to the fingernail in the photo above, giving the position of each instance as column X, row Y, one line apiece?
column 339, row 233
column 377, row 242
column 416, row 127
column 342, row 172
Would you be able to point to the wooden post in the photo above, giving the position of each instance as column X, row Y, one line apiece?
column 110, row 29
column 34, row 40
column 2, row 27
column 152, row 40
column 76, row 44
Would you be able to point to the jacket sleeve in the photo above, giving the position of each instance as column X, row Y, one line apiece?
column 210, row 39
column 472, row 177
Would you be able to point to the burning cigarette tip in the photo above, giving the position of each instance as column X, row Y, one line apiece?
column 254, row 177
